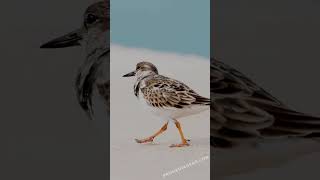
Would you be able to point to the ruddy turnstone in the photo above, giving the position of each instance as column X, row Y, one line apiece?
column 166, row 97
column 93, row 74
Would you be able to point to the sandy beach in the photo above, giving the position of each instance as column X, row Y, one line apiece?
column 129, row 120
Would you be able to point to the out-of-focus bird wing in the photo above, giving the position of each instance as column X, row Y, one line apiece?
column 241, row 111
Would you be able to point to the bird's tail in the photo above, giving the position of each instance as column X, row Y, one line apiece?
column 202, row 101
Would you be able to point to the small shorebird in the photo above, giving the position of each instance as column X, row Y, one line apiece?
column 166, row 98
column 248, row 122
column 94, row 36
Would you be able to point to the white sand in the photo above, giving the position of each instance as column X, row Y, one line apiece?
column 129, row 121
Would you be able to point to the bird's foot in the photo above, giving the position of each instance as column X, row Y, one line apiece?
column 150, row 139
column 184, row 144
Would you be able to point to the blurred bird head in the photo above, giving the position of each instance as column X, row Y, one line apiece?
column 94, row 33
column 143, row 69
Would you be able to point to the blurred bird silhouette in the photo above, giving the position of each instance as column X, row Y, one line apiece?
column 94, row 36
column 248, row 122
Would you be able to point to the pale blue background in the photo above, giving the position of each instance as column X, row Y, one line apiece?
column 181, row 26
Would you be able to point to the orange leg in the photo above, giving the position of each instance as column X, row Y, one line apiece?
column 150, row 139
column 184, row 141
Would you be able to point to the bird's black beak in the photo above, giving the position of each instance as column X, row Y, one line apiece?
column 68, row 40
column 133, row 73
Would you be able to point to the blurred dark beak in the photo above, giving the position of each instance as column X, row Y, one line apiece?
column 68, row 40
column 133, row 73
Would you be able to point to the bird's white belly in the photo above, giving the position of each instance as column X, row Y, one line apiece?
column 169, row 113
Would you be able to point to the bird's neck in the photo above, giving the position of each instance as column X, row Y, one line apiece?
column 97, row 59
column 140, row 82
column 96, row 43
column 97, row 48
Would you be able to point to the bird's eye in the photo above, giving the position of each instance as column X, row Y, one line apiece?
column 91, row 19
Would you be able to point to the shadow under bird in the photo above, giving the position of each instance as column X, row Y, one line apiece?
column 249, row 124
column 166, row 97
column 94, row 36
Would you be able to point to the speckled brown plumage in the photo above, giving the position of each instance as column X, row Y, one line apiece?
column 161, row 91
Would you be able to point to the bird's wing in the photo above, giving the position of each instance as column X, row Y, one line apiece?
column 164, row 92
column 242, row 111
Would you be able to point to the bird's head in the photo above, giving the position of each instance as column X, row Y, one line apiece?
column 94, row 31
column 143, row 69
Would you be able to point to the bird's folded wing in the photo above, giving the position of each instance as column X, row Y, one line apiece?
column 166, row 93
column 241, row 111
